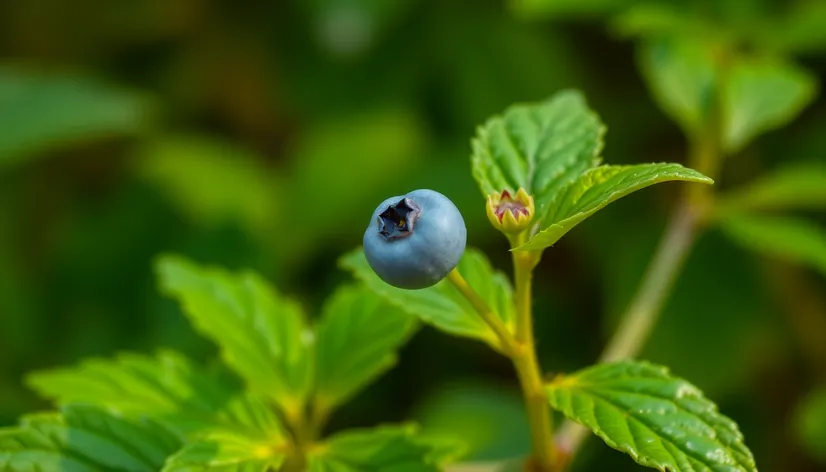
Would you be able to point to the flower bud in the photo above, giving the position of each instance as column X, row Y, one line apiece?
column 510, row 213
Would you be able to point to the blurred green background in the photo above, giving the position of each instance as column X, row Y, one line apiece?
column 262, row 134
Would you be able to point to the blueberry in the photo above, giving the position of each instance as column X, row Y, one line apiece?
column 415, row 240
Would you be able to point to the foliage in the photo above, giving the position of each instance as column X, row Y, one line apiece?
column 261, row 136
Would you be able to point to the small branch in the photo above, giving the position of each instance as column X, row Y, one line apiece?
column 506, row 339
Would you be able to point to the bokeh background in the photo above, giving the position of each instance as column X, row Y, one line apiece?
column 262, row 133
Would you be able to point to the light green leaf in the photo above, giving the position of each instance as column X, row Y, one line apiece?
column 540, row 147
column 648, row 20
column 261, row 333
column 166, row 385
column 810, row 422
column 791, row 239
column 597, row 188
column 760, row 95
column 795, row 186
column 211, row 181
column 85, row 438
column 356, row 341
column 442, row 305
column 188, row 398
column 661, row 421
column 40, row 111
column 224, row 451
column 387, row 448
column 681, row 74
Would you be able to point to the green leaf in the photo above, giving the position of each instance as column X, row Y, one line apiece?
column 794, row 186
column 661, row 421
column 211, row 181
column 681, row 75
column 442, row 305
column 356, row 341
column 166, row 385
column 85, row 438
column 261, row 333
column 760, row 95
column 791, row 239
column 597, row 188
column 560, row 9
column 387, row 448
column 224, row 451
column 40, row 111
column 488, row 418
column 810, row 423
column 540, row 147
column 648, row 20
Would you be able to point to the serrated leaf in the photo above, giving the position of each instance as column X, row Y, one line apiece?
column 810, row 423
column 356, row 341
column 40, row 111
column 188, row 398
column 85, row 438
column 681, row 75
column 598, row 187
column 261, row 333
column 540, row 147
column 795, row 186
column 760, row 95
column 137, row 384
column 386, row 448
column 661, row 421
column 442, row 305
column 788, row 238
column 224, row 451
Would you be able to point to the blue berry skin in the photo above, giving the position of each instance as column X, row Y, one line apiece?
column 415, row 240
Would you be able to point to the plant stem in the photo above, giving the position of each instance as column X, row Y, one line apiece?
column 522, row 352
column 527, row 367
column 506, row 340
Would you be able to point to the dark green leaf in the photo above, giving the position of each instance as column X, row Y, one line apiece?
column 791, row 239
column 388, row 448
column 488, row 417
column 661, row 421
column 810, row 421
column 597, row 188
column 681, row 75
column 539, row 147
column 761, row 95
column 560, row 9
column 261, row 333
column 442, row 305
column 85, row 438
column 356, row 340
column 795, row 186
column 39, row 112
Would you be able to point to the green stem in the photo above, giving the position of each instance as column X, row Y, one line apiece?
column 527, row 367
column 523, row 355
column 506, row 340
